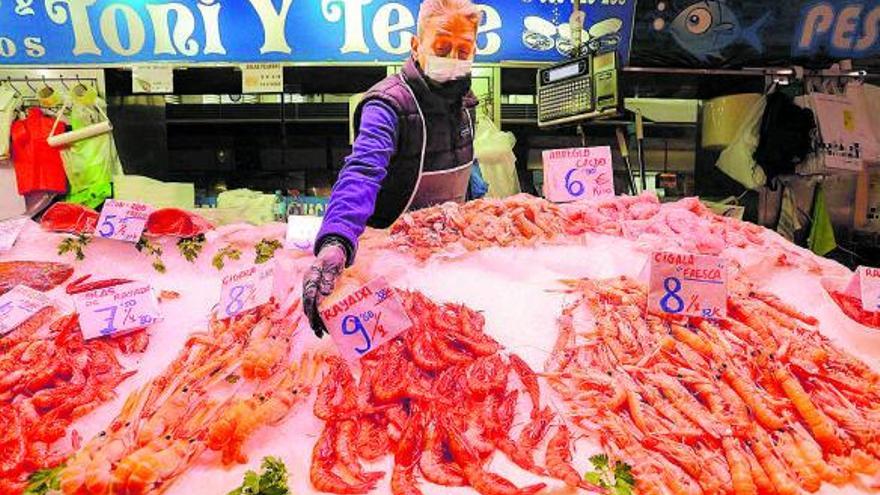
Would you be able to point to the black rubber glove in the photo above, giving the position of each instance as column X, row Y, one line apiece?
column 320, row 280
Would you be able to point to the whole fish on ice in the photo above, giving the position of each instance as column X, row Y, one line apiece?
column 706, row 28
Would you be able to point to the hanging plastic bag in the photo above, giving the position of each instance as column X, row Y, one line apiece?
column 90, row 163
column 737, row 160
column 868, row 98
column 847, row 137
column 494, row 150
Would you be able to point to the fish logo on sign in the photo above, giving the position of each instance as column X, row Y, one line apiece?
column 706, row 28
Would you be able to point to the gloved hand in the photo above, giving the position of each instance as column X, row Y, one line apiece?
column 320, row 280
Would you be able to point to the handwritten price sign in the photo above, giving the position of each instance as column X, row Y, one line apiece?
column 302, row 231
column 688, row 285
column 578, row 173
column 116, row 310
column 123, row 220
column 869, row 282
column 19, row 305
column 365, row 319
column 246, row 290
column 9, row 231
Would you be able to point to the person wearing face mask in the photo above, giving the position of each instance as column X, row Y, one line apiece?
column 414, row 146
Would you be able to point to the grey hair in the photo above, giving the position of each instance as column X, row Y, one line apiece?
column 431, row 9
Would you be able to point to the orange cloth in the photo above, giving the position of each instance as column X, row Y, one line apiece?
column 38, row 166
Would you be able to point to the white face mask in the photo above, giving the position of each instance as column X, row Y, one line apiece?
column 443, row 69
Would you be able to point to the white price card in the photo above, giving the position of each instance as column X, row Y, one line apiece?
column 302, row 231
column 365, row 319
column 20, row 304
column 262, row 78
column 116, row 310
column 152, row 79
column 123, row 220
column 688, row 285
column 9, row 232
column 247, row 289
column 578, row 173
column 869, row 288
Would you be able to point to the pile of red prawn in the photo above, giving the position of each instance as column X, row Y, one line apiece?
column 759, row 402
column 49, row 377
column 524, row 220
column 224, row 385
column 440, row 400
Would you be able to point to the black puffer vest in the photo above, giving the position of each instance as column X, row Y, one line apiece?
column 449, row 143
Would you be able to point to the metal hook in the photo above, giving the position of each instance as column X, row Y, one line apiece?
column 64, row 83
column 9, row 81
column 28, row 82
column 45, row 84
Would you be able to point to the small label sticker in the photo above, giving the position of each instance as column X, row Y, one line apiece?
column 152, row 79
column 688, row 285
column 365, row 319
column 302, row 231
column 247, row 289
column 9, row 232
column 262, row 78
column 578, row 173
column 19, row 305
column 123, row 220
column 116, row 310
column 869, row 282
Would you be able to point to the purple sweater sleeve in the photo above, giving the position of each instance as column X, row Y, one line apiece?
column 353, row 198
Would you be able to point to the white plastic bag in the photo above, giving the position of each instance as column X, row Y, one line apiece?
column 737, row 160
column 494, row 150
column 845, row 139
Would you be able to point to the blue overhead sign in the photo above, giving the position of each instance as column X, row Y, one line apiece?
column 67, row 32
